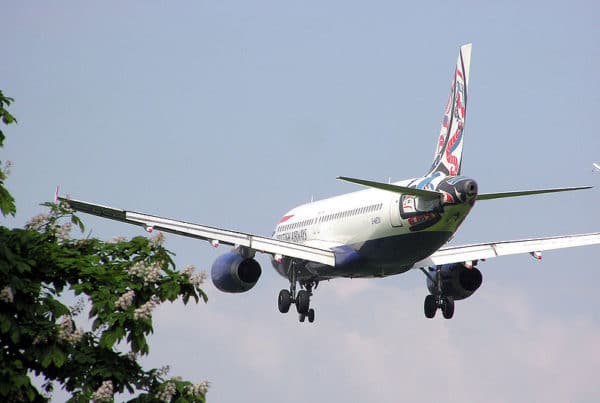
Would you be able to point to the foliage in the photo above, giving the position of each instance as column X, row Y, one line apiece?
column 7, row 203
column 121, row 280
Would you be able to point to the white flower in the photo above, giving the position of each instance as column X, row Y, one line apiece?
column 168, row 392
column 133, row 356
column 125, row 300
column 39, row 340
column 63, row 231
column 117, row 239
column 189, row 270
column 197, row 389
column 145, row 311
column 198, row 278
column 137, row 269
column 195, row 279
column 7, row 295
column 37, row 222
column 151, row 274
column 163, row 371
column 203, row 387
column 157, row 239
column 104, row 393
column 66, row 331
column 66, row 206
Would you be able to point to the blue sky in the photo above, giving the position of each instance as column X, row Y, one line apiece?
column 230, row 113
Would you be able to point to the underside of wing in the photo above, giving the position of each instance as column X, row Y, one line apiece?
column 534, row 246
column 210, row 234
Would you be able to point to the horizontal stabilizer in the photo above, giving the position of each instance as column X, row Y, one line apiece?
column 425, row 194
column 489, row 196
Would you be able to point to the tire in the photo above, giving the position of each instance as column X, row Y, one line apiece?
column 311, row 315
column 303, row 302
column 430, row 306
column 448, row 308
column 301, row 317
column 284, row 301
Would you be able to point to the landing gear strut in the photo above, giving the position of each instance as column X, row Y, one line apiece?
column 438, row 299
column 301, row 298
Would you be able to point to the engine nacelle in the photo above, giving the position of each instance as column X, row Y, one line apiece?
column 458, row 282
column 232, row 272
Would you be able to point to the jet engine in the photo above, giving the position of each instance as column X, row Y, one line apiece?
column 232, row 272
column 458, row 281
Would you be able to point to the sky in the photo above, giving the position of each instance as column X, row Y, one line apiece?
column 230, row 113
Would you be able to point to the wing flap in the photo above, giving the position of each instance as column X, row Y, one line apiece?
column 467, row 253
column 254, row 242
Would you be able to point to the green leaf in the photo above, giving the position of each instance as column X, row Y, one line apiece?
column 15, row 335
column 4, row 323
column 58, row 357
column 108, row 339
column 46, row 360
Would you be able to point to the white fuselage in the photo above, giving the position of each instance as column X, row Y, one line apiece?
column 388, row 231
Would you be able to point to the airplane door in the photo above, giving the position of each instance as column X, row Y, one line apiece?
column 395, row 218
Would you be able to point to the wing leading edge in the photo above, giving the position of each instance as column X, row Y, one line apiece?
column 210, row 234
column 474, row 252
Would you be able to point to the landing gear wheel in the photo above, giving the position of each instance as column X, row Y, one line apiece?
column 430, row 306
column 284, row 301
column 448, row 307
column 302, row 302
column 311, row 315
column 301, row 317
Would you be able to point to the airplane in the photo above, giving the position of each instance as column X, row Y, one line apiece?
column 596, row 166
column 384, row 230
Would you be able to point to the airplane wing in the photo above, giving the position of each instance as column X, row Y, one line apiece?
column 210, row 234
column 482, row 251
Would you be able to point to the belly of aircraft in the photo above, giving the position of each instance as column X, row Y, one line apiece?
column 373, row 258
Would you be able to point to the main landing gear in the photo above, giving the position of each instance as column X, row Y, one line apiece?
column 445, row 304
column 301, row 298
column 437, row 299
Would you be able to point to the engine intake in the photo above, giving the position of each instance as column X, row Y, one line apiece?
column 458, row 282
column 232, row 272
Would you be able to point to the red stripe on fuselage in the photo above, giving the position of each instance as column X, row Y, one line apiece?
column 285, row 218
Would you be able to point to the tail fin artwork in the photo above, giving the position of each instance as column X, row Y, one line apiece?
column 448, row 155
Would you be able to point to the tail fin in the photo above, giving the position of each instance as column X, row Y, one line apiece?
column 448, row 155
